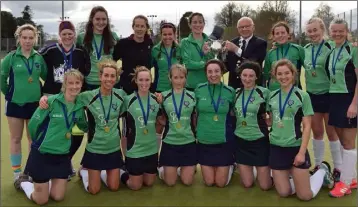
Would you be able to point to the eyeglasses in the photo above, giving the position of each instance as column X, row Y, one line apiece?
column 245, row 27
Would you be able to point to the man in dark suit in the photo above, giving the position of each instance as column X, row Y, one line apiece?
column 245, row 47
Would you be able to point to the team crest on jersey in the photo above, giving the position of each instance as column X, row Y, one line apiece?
column 152, row 107
column 115, row 106
column 58, row 73
column 186, row 104
column 37, row 65
column 252, row 99
column 290, row 102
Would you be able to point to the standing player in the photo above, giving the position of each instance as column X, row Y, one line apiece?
column 251, row 128
column 99, row 41
column 284, row 49
column 164, row 54
column 343, row 91
column 178, row 151
column 48, row 163
column 20, row 83
column 59, row 58
column 317, row 86
column 134, row 51
column 289, row 108
column 195, row 51
column 142, row 148
column 214, row 103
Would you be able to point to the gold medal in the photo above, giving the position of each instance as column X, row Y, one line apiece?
column 333, row 80
column 216, row 118
column 30, row 79
column 106, row 129
column 314, row 74
column 244, row 123
column 145, row 131
column 178, row 125
column 280, row 124
column 68, row 135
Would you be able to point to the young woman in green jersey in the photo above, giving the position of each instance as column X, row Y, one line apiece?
column 48, row 163
column 20, row 83
column 251, row 128
column 99, row 42
column 178, row 152
column 343, row 69
column 141, row 115
column 214, row 101
column 289, row 108
column 317, row 86
column 195, row 51
column 102, row 158
column 164, row 54
column 283, row 49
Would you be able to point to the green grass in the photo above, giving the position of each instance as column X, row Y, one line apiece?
column 159, row 194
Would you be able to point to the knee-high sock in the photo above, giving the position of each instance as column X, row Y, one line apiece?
column 28, row 188
column 316, row 181
column 318, row 150
column 104, row 177
column 349, row 163
column 16, row 164
column 84, row 175
column 335, row 147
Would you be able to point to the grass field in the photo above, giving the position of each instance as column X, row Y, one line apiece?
column 159, row 194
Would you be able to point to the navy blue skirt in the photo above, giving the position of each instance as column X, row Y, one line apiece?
column 21, row 112
column 282, row 158
column 320, row 103
column 215, row 155
column 96, row 161
column 339, row 104
column 178, row 155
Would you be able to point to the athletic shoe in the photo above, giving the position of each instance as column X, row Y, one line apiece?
column 353, row 184
column 336, row 175
column 20, row 179
column 314, row 170
column 340, row 189
column 328, row 178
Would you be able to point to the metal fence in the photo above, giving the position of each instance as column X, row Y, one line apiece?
column 351, row 17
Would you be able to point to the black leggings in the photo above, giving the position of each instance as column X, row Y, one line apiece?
column 75, row 145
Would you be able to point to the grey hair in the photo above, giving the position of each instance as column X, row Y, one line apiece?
column 244, row 18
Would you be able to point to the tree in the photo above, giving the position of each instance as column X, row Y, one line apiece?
column 8, row 25
column 231, row 13
column 270, row 13
column 324, row 11
column 183, row 27
column 26, row 17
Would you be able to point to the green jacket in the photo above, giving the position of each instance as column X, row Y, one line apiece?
column 15, row 83
column 48, row 127
column 194, row 60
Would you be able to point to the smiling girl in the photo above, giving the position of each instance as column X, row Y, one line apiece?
column 289, row 108
column 195, row 51
column 284, row 49
column 99, row 41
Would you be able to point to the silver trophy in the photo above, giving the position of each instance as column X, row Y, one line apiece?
column 216, row 44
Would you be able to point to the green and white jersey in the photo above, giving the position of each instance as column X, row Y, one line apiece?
column 251, row 125
column 48, row 127
column 141, row 138
column 210, row 130
column 103, row 136
column 316, row 75
column 17, row 84
column 93, row 76
column 343, row 77
column 294, row 53
column 178, row 132
column 289, row 134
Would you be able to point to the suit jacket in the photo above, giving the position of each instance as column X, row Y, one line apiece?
column 255, row 51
